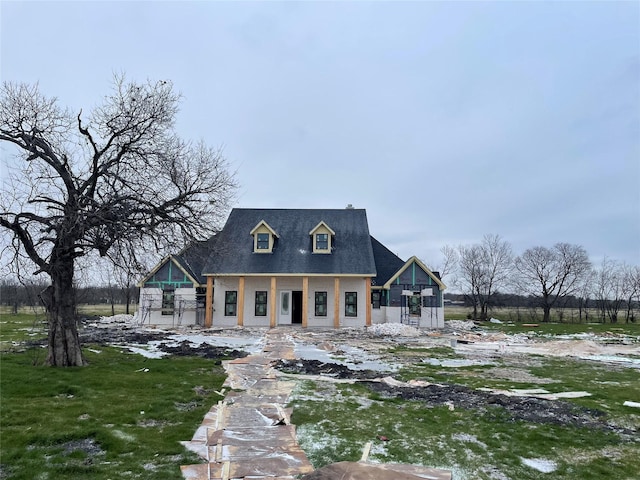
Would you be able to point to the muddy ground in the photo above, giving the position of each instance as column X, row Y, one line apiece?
column 529, row 409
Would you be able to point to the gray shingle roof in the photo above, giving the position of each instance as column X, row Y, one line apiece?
column 292, row 253
column 194, row 257
column 387, row 262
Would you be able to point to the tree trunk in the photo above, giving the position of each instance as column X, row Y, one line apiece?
column 59, row 300
column 546, row 317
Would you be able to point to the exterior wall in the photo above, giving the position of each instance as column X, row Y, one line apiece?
column 221, row 285
column 354, row 285
column 430, row 317
column 379, row 315
column 251, row 286
column 415, row 279
column 321, row 284
column 150, row 307
column 316, row 284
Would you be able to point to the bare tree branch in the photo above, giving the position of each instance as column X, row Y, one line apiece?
column 118, row 183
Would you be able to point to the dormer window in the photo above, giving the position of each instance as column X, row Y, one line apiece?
column 322, row 236
column 322, row 241
column 263, row 238
column 262, row 242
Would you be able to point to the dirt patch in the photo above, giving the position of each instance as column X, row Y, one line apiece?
column 204, row 350
column 527, row 409
column 87, row 445
column 316, row 367
column 106, row 336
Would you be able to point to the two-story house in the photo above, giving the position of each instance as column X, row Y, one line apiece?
column 311, row 267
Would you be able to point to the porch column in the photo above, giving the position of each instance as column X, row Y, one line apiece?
column 241, row 302
column 208, row 306
column 272, row 320
column 367, row 286
column 336, row 302
column 305, row 302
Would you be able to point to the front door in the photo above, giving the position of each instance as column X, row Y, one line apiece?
column 296, row 307
column 284, row 308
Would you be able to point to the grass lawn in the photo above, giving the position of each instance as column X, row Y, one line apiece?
column 534, row 315
column 124, row 415
column 484, row 442
column 120, row 417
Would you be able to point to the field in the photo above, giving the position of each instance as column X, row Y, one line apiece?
column 531, row 315
column 124, row 415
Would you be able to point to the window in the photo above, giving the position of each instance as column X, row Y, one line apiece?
column 230, row 303
column 201, row 297
column 322, row 238
column 375, row 299
column 262, row 241
column 168, row 301
column 321, row 304
column 351, row 304
column 284, row 303
column 414, row 304
column 261, row 304
column 322, row 241
column 264, row 238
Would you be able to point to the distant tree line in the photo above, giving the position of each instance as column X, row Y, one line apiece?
column 17, row 295
column 489, row 275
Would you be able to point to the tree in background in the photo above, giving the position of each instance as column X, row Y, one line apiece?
column 609, row 289
column 550, row 274
column 447, row 266
column 631, row 282
column 119, row 182
column 483, row 269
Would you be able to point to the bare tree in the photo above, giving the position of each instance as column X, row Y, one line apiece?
column 449, row 261
column 448, row 264
column 119, row 181
column 483, row 269
column 583, row 296
column 631, row 289
column 550, row 274
column 609, row 288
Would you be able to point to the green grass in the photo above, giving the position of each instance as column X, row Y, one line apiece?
column 473, row 445
column 553, row 328
column 524, row 315
column 88, row 423
column 20, row 328
column 108, row 420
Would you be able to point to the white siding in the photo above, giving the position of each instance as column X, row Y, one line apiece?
column 316, row 284
column 220, row 286
column 150, row 308
column 430, row 317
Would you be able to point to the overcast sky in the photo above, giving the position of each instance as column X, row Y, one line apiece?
column 444, row 120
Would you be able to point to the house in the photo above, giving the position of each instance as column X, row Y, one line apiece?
column 310, row 267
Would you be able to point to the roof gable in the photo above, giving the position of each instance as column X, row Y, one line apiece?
column 320, row 226
column 168, row 272
column 415, row 260
column 262, row 225
column 190, row 261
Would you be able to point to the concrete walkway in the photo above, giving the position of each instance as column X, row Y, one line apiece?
column 248, row 434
